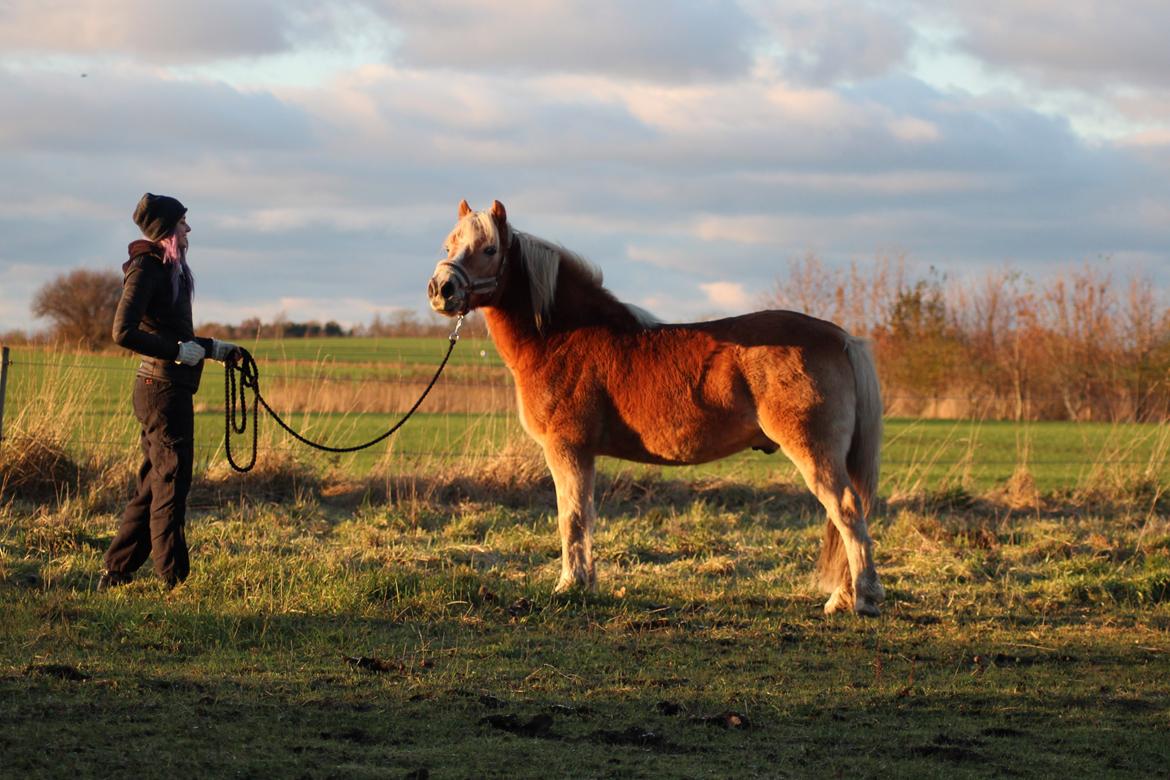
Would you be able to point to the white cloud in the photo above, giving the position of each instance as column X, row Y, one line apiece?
column 168, row 32
column 1158, row 139
column 670, row 164
column 1101, row 64
column 896, row 182
column 655, row 40
column 740, row 229
column 18, row 284
column 728, row 295
column 826, row 41
column 1081, row 43
column 141, row 115
column 913, row 130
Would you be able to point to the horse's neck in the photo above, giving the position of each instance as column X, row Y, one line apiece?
column 513, row 341
column 578, row 302
column 512, row 322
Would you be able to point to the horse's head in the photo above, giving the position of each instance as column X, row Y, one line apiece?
column 477, row 249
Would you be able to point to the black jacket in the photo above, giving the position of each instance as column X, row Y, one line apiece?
column 151, row 321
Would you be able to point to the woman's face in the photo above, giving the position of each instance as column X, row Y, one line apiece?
column 182, row 229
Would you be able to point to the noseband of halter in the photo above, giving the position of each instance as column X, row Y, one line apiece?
column 482, row 284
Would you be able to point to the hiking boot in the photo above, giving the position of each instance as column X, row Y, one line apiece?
column 112, row 579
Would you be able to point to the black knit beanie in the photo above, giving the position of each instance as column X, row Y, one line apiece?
column 157, row 215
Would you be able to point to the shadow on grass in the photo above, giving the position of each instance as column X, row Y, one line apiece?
column 833, row 697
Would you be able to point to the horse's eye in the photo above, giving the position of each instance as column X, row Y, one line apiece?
column 491, row 250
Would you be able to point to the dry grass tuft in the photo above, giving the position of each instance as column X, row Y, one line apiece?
column 52, row 451
column 389, row 395
column 513, row 476
column 1019, row 492
column 36, row 468
column 518, row 466
column 278, row 476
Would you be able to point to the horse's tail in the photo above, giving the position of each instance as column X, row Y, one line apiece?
column 863, row 461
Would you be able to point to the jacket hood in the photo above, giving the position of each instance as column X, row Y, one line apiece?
column 142, row 247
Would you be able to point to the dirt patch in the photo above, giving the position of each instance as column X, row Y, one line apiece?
column 538, row 726
column 959, row 750
column 634, row 736
column 60, row 671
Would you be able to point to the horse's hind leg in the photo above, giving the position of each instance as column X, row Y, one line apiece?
column 856, row 585
column 573, row 473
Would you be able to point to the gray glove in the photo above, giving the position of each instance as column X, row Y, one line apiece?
column 190, row 353
column 222, row 350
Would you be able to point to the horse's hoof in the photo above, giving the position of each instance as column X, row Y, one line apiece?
column 870, row 589
column 575, row 586
column 838, row 602
column 867, row 608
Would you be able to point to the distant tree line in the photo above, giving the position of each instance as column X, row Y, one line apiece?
column 1077, row 346
column 80, row 307
column 401, row 323
column 279, row 328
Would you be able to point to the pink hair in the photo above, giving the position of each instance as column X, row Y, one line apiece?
column 172, row 251
column 175, row 255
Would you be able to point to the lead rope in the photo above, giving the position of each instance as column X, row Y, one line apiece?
column 236, row 404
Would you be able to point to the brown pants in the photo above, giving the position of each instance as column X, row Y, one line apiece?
column 152, row 524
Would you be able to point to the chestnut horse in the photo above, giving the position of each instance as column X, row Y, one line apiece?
column 595, row 377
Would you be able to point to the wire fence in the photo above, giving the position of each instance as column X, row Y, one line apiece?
column 111, row 427
column 126, row 368
column 453, row 453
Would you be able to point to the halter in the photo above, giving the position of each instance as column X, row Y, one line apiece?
column 481, row 284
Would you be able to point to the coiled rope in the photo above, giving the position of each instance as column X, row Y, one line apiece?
column 236, row 404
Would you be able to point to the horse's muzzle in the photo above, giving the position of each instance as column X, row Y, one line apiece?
column 447, row 295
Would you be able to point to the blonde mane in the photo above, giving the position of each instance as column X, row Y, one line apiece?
column 542, row 262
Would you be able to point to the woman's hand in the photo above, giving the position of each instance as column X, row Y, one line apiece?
column 190, row 353
column 222, row 350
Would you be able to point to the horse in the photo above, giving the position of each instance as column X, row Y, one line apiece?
column 595, row 376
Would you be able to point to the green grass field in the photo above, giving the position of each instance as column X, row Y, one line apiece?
column 417, row 637
column 390, row 614
column 918, row 455
column 107, row 377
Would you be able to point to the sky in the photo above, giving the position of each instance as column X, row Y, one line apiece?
column 689, row 149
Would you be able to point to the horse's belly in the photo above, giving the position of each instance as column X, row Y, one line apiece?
column 683, row 444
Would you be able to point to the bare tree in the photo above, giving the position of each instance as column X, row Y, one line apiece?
column 1142, row 333
column 1070, row 346
column 81, row 305
column 807, row 287
column 1080, row 314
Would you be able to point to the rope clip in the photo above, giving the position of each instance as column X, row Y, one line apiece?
column 455, row 333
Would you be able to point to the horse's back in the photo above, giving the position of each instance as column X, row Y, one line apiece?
column 797, row 376
column 782, row 349
column 773, row 328
column 695, row 392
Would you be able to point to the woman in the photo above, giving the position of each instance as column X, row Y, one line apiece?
column 154, row 320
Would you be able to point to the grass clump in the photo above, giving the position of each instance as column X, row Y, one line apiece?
column 400, row 621
column 379, row 638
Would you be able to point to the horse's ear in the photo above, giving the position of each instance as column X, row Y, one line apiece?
column 464, row 209
column 498, row 213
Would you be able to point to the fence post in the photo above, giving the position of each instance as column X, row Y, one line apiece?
column 3, row 387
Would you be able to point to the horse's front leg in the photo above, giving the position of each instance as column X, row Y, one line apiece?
column 573, row 472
